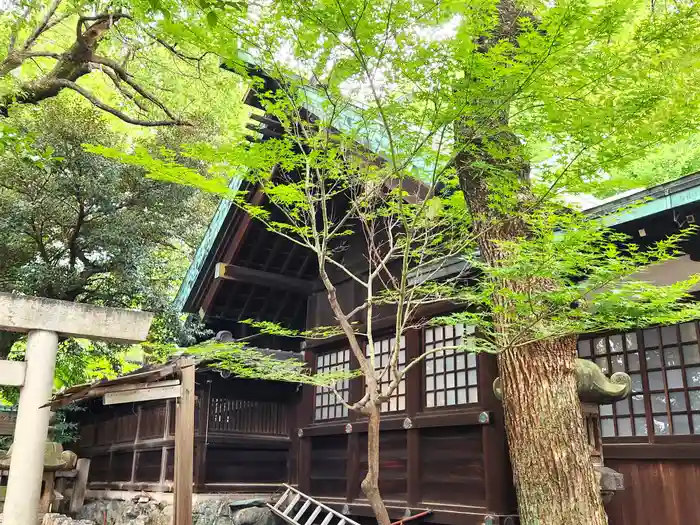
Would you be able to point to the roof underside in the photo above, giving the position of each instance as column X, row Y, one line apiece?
column 233, row 238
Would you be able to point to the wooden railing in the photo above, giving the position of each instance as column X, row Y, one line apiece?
column 250, row 417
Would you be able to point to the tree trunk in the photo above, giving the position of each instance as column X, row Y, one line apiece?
column 370, row 485
column 70, row 66
column 553, row 474
column 554, row 480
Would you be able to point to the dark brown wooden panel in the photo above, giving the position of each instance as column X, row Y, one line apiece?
column 328, row 465
column 656, row 492
column 104, row 434
column 125, row 427
column 120, row 469
column 657, row 451
column 148, row 465
column 236, row 465
column 152, row 420
column 99, row 468
column 87, row 435
column 170, row 465
column 393, row 464
column 170, row 416
column 452, row 469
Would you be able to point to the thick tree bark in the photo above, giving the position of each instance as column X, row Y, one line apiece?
column 370, row 485
column 76, row 62
column 549, row 453
column 70, row 66
column 553, row 474
column 552, row 471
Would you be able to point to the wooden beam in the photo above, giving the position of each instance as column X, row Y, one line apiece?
column 77, row 498
column 234, row 246
column 270, row 123
column 140, row 386
column 200, row 475
column 12, row 372
column 262, row 278
column 142, row 394
column 265, row 132
column 184, row 445
column 251, row 257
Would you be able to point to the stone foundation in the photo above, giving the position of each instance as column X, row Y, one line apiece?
column 144, row 510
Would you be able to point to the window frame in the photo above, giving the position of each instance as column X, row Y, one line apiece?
column 643, row 347
column 424, row 391
column 397, row 394
column 685, row 389
column 415, row 379
column 608, row 357
column 321, row 392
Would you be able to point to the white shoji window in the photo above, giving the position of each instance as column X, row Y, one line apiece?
column 450, row 375
column 672, row 362
column 328, row 406
column 664, row 364
column 619, row 353
column 383, row 349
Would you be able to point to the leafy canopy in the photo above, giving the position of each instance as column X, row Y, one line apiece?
column 588, row 88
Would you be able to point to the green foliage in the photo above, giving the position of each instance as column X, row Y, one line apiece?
column 79, row 227
column 247, row 362
column 587, row 88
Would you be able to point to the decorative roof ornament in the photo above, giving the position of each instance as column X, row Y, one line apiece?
column 592, row 384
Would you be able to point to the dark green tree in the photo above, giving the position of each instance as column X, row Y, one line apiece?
column 76, row 226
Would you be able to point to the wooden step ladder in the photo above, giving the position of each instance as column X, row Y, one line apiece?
column 295, row 506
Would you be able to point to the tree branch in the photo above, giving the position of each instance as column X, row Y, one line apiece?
column 44, row 25
column 129, row 79
column 59, row 82
column 126, row 93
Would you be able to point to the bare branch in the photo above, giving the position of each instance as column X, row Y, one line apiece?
column 43, row 25
column 47, row 54
column 126, row 77
column 175, row 51
column 125, row 92
column 120, row 115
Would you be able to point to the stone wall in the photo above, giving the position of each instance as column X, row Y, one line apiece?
column 146, row 511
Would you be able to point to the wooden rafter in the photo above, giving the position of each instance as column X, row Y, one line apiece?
column 234, row 247
column 277, row 244
column 284, row 302
column 262, row 278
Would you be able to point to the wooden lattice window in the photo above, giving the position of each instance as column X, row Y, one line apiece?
column 673, row 375
column 619, row 353
column 328, row 406
column 450, row 375
column 383, row 350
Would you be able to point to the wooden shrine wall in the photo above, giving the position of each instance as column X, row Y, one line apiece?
column 242, row 439
column 660, row 484
column 451, row 459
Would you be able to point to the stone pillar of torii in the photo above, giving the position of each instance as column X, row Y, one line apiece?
column 45, row 320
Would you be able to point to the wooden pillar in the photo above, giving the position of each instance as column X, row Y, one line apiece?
column 77, row 497
column 498, row 477
column 184, row 445
column 352, row 465
column 201, row 445
column 305, row 416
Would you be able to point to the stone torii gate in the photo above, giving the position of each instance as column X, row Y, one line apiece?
column 45, row 320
